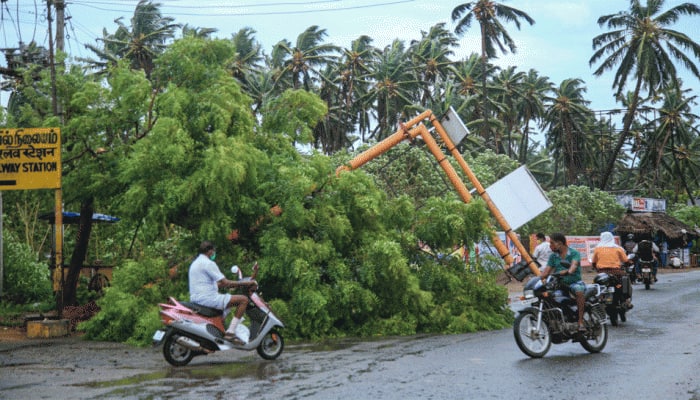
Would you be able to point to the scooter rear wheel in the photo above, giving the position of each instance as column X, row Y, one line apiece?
column 271, row 346
column 175, row 353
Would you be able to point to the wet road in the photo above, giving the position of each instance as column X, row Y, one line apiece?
column 654, row 355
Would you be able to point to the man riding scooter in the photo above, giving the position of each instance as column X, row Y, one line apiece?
column 205, row 279
column 647, row 253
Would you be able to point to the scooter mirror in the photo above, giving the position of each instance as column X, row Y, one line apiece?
column 237, row 272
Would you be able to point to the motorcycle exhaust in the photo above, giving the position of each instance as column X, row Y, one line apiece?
column 190, row 344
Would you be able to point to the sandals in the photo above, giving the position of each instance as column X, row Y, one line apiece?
column 582, row 328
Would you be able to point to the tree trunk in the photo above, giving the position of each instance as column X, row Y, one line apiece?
column 79, row 253
column 629, row 116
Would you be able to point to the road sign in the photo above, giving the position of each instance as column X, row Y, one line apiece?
column 30, row 158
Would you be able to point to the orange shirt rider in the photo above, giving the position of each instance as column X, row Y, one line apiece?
column 608, row 255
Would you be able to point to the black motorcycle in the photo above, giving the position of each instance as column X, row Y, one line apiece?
column 551, row 316
column 645, row 273
column 616, row 294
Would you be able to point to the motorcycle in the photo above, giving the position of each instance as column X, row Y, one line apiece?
column 615, row 294
column 645, row 274
column 645, row 268
column 192, row 329
column 551, row 316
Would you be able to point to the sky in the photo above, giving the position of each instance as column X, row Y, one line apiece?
column 558, row 45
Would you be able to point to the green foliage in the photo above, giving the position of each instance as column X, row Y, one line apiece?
column 295, row 113
column 576, row 210
column 117, row 318
column 128, row 306
column 147, row 323
column 26, row 280
column 446, row 221
column 690, row 215
column 465, row 301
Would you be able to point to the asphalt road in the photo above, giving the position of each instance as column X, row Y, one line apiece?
column 654, row 355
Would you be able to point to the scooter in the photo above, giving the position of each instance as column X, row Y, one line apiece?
column 192, row 329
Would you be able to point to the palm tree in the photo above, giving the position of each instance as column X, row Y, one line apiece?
column 493, row 34
column 510, row 92
column 202, row 33
column 140, row 43
column 304, row 62
column 531, row 107
column 393, row 88
column 671, row 132
column 248, row 59
column 566, row 119
column 431, row 60
column 643, row 47
column 353, row 80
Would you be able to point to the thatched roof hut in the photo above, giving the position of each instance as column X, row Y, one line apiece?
column 650, row 225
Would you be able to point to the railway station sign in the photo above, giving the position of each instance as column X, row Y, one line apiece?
column 30, row 158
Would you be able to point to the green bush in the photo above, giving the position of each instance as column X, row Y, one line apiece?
column 116, row 321
column 26, row 280
column 129, row 307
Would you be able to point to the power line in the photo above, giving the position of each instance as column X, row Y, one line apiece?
column 244, row 6
column 261, row 13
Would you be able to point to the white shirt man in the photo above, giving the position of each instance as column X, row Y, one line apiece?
column 542, row 251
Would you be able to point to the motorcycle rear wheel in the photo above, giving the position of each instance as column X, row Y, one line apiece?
column 175, row 353
column 596, row 337
column 271, row 346
column 531, row 341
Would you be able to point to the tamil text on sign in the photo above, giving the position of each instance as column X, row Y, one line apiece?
column 30, row 158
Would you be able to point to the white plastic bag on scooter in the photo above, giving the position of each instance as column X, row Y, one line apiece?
column 242, row 331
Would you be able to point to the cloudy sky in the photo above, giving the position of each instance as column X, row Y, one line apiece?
column 558, row 45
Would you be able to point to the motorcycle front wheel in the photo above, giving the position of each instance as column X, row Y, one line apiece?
column 532, row 341
column 596, row 336
column 175, row 353
column 271, row 346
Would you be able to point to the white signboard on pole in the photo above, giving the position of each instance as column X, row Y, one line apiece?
column 519, row 197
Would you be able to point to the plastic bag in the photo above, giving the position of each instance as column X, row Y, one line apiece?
column 242, row 331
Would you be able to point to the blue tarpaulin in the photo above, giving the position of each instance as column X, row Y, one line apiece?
column 70, row 217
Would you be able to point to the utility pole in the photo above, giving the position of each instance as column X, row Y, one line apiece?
column 60, row 6
column 60, row 24
column 52, row 66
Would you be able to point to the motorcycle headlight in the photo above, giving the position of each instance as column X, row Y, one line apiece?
column 528, row 294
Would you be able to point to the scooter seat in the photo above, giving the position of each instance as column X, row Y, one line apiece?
column 202, row 310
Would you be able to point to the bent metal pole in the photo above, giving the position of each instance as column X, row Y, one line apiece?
column 484, row 195
column 404, row 133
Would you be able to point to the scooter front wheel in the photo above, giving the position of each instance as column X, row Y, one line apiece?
column 271, row 346
column 175, row 353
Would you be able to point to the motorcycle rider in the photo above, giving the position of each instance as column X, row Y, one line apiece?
column 572, row 274
column 629, row 249
column 206, row 279
column 542, row 251
column 646, row 250
column 608, row 257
